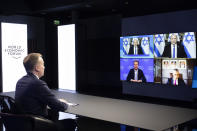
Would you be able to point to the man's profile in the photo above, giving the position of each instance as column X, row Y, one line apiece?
column 136, row 74
column 175, row 79
column 174, row 49
column 135, row 48
column 33, row 95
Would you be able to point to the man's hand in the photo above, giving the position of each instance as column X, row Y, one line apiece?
column 68, row 103
column 63, row 100
column 135, row 80
column 139, row 81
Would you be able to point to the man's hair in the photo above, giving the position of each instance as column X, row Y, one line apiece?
column 134, row 40
column 176, row 70
column 136, row 61
column 30, row 61
column 174, row 35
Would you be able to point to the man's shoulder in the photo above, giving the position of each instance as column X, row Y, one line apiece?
column 30, row 79
column 140, row 70
column 179, row 79
column 38, row 82
column 179, row 45
column 168, row 45
column 132, row 69
column 131, row 47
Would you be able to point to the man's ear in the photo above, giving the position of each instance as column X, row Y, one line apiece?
column 36, row 69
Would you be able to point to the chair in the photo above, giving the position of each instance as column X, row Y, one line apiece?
column 13, row 120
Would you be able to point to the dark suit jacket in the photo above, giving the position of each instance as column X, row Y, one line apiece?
column 139, row 49
column 180, row 51
column 33, row 95
column 180, row 82
column 140, row 75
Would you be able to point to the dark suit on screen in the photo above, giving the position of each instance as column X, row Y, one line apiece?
column 33, row 96
column 180, row 82
column 140, row 75
column 180, row 51
column 139, row 50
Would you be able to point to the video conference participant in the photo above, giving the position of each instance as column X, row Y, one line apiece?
column 135, row 48
column 175, row 80
column 136, row 74
column 174, row 49
column 33, row 95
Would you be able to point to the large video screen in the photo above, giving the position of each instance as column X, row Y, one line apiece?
column 159, row 58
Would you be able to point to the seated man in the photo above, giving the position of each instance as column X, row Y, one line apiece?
column 136, row 74
column 33, row 95
column 175, row 80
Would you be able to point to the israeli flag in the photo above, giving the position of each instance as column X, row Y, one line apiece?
column 159, row 44
column 126, row 45
column 145, row 45
column 189, row 44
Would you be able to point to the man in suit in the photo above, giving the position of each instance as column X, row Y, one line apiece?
column 135, row 48
column 33, row 95
column 175, row 80
column 136, row 74
column 174, row 49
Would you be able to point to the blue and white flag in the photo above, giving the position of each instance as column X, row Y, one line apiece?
column 189, row 44
column 126, row 45
column 145, row 45
column 159, row 44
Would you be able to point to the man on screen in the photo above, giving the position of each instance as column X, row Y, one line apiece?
column 174, row 49
column 136, row 74
column 176, row 80
column 135, row 48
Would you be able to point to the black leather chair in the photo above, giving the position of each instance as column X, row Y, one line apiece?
column 13, row 120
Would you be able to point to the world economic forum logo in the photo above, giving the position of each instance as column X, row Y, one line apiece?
column 15, row 51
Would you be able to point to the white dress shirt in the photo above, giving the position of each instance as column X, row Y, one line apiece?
column 135, row 74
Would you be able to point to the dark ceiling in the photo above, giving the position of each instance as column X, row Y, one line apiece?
column 92, row 8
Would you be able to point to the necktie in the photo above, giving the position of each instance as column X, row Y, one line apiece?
column 173, row 51
column 175, row 82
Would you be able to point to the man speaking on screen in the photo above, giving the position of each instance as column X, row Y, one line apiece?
column 174, row 49
column 136, row 74
column 176, row 80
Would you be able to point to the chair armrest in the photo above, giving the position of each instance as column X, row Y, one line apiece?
column 43, row 124
column 29, row 121
column 15, row 122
